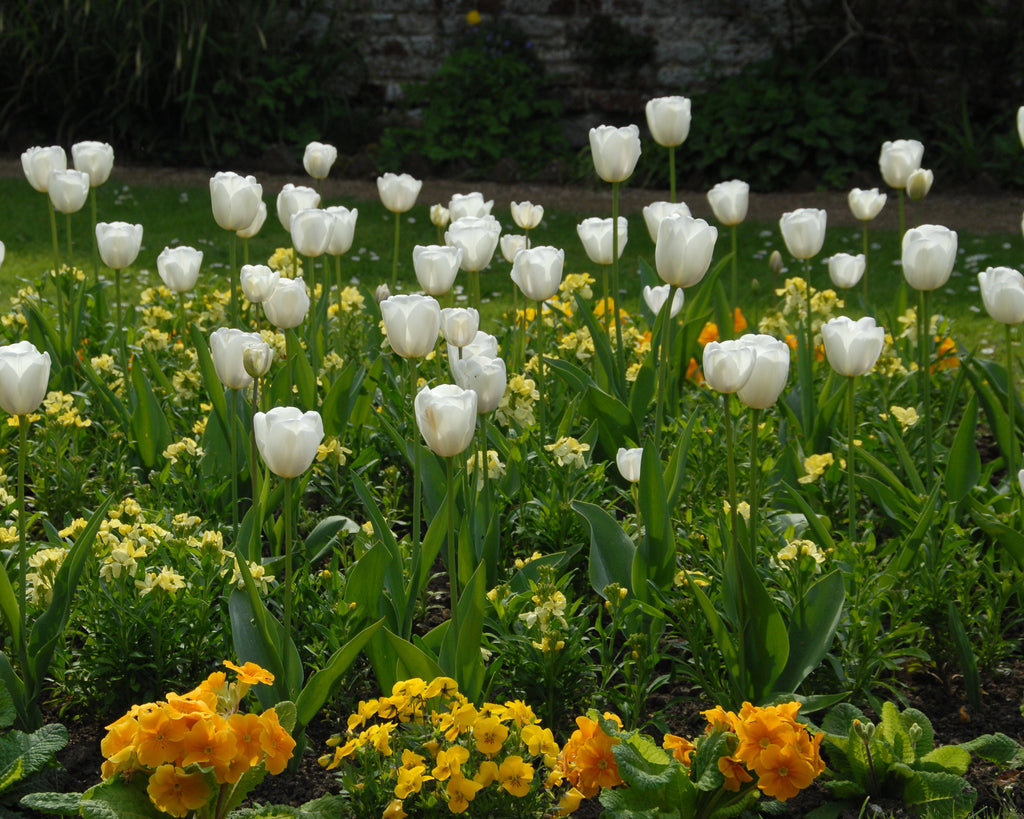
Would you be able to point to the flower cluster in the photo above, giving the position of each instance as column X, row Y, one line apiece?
column 772, row 746
column 587, row 758
column 195, row 746
column 427, row 746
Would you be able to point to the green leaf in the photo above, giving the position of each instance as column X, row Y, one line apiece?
column 469, row 662
column 964, row 465
column 251, row 626
column 655, row 558
column 812, row 627
column 341, row 398
column 820, row 533
column 724, row 640
column 117, row 799
column 675, row 470
column 22, row 755
column 611, row 552
column 150, row 429
column 214, row 389
column 944, row 794
column 302, row 376
column 997, row 748
column 62, row 804
column 765, row 641
column 320, row 685
column 949, row 758
column 965, row 655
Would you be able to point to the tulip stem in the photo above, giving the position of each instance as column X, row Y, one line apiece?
column 453, row 553
column 671, row 175
column 394, row 259
column 232, row 280
column 254, row 475
column 1011, row 399
column 864, row 242
column 851, row 447
column 620, row 352
column 730, row 458
column 95, row 241
column 416, row 490
column 924, row 360
column 233, row 439
column 22, row 543
column 755, row 475
column 810, row 315
column 119, row 328
column 903, row 219
column 341, row 309
column 731, row 333
column 289, row 487
column 664, row 351
column 538, row 321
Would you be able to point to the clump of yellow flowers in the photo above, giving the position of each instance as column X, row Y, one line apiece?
column 191, row 751
column 427, row 747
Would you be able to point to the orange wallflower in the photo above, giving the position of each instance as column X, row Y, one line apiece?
column 946, row 357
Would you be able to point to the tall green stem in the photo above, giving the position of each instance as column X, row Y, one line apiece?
column 95, row 242
column 864, row 242
column 233, row 281
column 734, row 285
column 394, row 259
column 672, row 173
column 22, row 542
column 254, row 475
column 538, row 322
column 851, row 447
column 453, row 552
column 233, row 438
column 416, row 489
column 755, row 482
column 730, row 457
column 1011, row 400
column 924, row 377
column 810, row 314
column 619, row 350
column 289, row 488
column 664, row 351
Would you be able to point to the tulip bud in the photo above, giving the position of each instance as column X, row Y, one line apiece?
column 24, row 376
column 486, row 376
column 287, row 304
column 398, row 192
column 227, row 347
column 440, row 216
column 683, row 251
column 119, row 243
column 68, row 190
column 3, row 251
column 803, row 231
column 511, row 244
column 897, row 159
column 865, row 205
column 655, row 212
column 318, row 159
column 235, row 200
column 1002, row 291
column 469, row 204
column 257, row 359
column 343, row 231
column 446, row 417
column 382, row 293
column 615, row 151
column 596, row 235
column 436, row 267
column 258, row 282
column 95, row 159
column 526, row 215
column 37, row 163
column 668, row 119
column 919, row 183
column 477, row 237
column 459, row 325
column 852, row 347
column 729, row 201
column 179, row 267
column 412, row 324
column 655, row 298
column 846, row 270
column 728, row 364
column 293, row 198
column 929, row 253
column 628, row 463
column 775, row 262
column 288, row 439
column 538, row 271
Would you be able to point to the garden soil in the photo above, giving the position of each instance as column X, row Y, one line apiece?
column 979, row 209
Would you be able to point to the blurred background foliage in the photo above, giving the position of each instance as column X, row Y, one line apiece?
column 208, row 82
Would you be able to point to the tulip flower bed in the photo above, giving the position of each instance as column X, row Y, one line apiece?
column 687, row 554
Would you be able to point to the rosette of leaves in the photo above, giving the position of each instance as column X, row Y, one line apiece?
column 898, row 759
column 24, row 757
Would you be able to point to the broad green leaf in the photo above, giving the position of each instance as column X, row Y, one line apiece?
column 812, row 627
column 469, row 662
column 965, row 655
column 949, row 758
column 765, row 642
column 964, row 464
column 61, row 804
column 611, row 552
column 214, row 388
column 675, row 470
column 997, row 748
column 320, row 685
column 341, row 398
column 657, row 551
column 259, row 637
column 150, row 429
column 817, row 528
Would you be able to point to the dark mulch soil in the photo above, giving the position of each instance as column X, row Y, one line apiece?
column 943, row 700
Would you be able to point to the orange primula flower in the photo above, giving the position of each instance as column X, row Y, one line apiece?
column 708, row 333
column 159, row 738
column 251, row 673
column 734, row 772
column 276, row 742
column 210, row 743
column 175, row 792
column 588, row 760
column 693, row 372
column 247, row 729
column 783, row 772
column 682, row 749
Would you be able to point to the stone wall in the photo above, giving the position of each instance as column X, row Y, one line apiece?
column 606, row 57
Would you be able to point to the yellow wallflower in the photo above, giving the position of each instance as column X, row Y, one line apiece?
column 815, row 466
